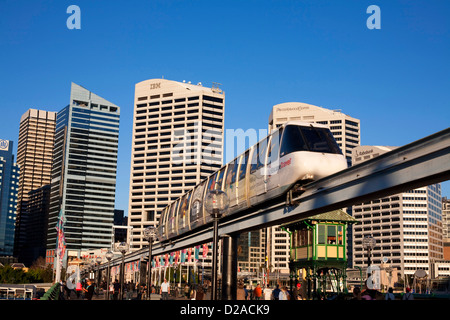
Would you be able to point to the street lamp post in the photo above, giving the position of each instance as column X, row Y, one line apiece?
column 150, row 234
column 98, row 260
column 369, row 243
column 123, row 248
column 216, row 203
column 109, row 255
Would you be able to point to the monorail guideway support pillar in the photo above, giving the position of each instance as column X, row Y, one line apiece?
column 229, row 267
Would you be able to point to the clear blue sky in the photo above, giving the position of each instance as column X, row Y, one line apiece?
column 395, row 79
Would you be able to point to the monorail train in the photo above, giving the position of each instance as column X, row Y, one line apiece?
column 294, row 154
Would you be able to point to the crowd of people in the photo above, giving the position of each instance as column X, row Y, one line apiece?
column 260, row 293
column 131, row 291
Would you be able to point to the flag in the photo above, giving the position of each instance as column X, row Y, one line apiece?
column 183, row 256
column 60, row 240
column 197, row 249
column 205, row 250
column 171, row 258
column 189, row 255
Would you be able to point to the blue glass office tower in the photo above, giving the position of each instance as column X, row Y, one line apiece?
column 84, row 172
column 9, row 182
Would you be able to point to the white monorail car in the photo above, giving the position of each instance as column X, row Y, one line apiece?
column 294, row 154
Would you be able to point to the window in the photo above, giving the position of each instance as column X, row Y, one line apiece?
column 184, row 209
column 259, row 156
column 296, row 138
column 321, row 235
column 243, row 166
column 320, row 140
column 331, row 234
column 231, row 174
column 340, row 235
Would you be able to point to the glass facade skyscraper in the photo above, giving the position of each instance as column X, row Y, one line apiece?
column 84, row 172
column 9, row 181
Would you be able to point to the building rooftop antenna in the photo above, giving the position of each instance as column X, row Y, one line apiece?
column 215, row 87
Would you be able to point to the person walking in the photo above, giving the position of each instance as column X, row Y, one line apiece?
column 257, row 293
column 267, row 293
column 116, row 290
column 276, row 292
column 284, row 294
column 165, row 290
column 89, row 290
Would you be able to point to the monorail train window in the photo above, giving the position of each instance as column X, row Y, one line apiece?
column 172, row 222
column 212, row 182
column 254, row 161
column 220, row 179
column 320, row 140
column 258, row 156
column 231, row 174
column 274, row 146
column 292, row 141
column 196, row 210
column 243, row 166
column 182, row 213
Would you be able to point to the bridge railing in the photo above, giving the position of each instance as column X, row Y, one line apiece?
column 52, row 293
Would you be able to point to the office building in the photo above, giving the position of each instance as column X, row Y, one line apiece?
column 446, row 226
column 407, row 227
column 9, row 181
column 34, row 156
column 35, row 222
column 84, row 172
column 346, row 131
column 178, row 132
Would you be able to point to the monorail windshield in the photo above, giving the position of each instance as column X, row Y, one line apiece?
column 296, row 138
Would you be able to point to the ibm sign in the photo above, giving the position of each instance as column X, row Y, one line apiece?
column 4, row 144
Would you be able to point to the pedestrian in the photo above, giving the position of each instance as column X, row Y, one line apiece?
column 165, row 290
column 408, row 295
column 186, row 291
column 389, row 295
column 284, row 294
column 130, row 287
column 267, row 293
column 116, row 290
column 89, row 290
column 276, row 292
column 257, row 293
column 246, row 292
column 241, row 293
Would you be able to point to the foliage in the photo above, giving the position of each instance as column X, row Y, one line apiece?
column 19, row 276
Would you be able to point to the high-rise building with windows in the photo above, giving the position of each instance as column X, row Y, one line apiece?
column 34, row 156
column 9, row 181
column 407, row 227
column 346, row 131
column 446, row 226
column 84, row 172
column 178, row 132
